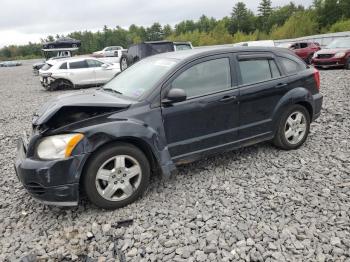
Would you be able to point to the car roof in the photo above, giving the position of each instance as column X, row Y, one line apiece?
column 71, row 59
column 212, row 50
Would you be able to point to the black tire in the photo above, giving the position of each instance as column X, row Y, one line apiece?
column 347, row 66
column 123, row 59
column 49, row 87
column 280, row 139
column 100, row 157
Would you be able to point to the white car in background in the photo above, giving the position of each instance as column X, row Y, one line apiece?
column 261, row 43
column 76, row 72
column 108, row 51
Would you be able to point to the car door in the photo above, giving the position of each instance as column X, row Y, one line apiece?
column 102, row 73
column 80, row 73
column 208, row 118
column 261, row 86
column 303, row 51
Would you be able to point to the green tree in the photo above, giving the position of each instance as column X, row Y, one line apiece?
column 299, row 24
column 340, row 26
column 167, row 30
column 155, row 32
column 328, row 11
column 242, row 19
column 280, row 15
column 264, row 10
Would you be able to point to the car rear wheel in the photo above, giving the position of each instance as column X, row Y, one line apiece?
column 116, row 176
column 293, row 129
column 123, row 63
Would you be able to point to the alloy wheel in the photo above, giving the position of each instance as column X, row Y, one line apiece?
column 118, row 178
column 124, row 64
column 295, row 128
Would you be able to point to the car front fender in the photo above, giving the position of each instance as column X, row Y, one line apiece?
column 128, row 130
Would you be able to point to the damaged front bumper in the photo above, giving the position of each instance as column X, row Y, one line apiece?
column 46, row 80
column 54, row 182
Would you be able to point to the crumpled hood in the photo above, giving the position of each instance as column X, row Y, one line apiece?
column 333, row 50
column 80, row 99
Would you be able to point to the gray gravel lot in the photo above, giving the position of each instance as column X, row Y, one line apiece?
column 253, row 204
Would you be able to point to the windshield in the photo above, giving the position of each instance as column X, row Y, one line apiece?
column 180, row 47
column 340, row 43
column 140, row 77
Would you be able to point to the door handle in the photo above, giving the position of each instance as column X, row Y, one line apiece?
column 228, row 98
column 281, row 85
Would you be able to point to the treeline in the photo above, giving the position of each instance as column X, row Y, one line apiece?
column 288, row 21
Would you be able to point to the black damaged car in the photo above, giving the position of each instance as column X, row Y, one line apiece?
column 63, row 42
column 163, row 111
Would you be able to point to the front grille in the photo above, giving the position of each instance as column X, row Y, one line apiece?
column 325, row 56
column 35, row 188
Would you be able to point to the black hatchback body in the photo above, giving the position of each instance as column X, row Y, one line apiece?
column 165, row 110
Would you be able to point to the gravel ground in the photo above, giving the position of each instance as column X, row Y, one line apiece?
column 253, row 204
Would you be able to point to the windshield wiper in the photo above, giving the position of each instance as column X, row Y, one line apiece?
column 112, row 90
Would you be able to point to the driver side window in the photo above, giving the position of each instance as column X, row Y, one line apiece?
column 205, row 78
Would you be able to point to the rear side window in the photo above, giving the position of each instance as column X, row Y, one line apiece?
column 303, row 45
column 63, row 66
column 289, row 65
column 205, row 78
column 258, row 70
column 78, row 65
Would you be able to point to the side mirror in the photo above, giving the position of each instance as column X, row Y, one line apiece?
column 104, row 66
column 175, row 95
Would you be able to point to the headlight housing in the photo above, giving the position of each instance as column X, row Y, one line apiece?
column 315, row 55
column 339, row 55
column 58, row 146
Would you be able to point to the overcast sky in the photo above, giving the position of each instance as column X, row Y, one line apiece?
column 22, row 20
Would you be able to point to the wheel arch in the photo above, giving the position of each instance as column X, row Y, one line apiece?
column 137, row 142
column 58, row 79
column 300, row 96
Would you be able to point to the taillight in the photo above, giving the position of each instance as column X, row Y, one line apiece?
column 317, row 78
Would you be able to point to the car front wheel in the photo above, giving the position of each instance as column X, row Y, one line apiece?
column 116, row 176
column 293, row 129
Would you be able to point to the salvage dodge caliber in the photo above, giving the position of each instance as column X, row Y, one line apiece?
column 163, row 111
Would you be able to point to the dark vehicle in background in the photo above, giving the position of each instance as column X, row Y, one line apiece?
column 305, row 50
column 164, row 111
column 139, row 51
column 64, row 42
column 52, row 54
column 336, row 54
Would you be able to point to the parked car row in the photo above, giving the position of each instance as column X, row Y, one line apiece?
column 63, row 71
column 336, row 54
